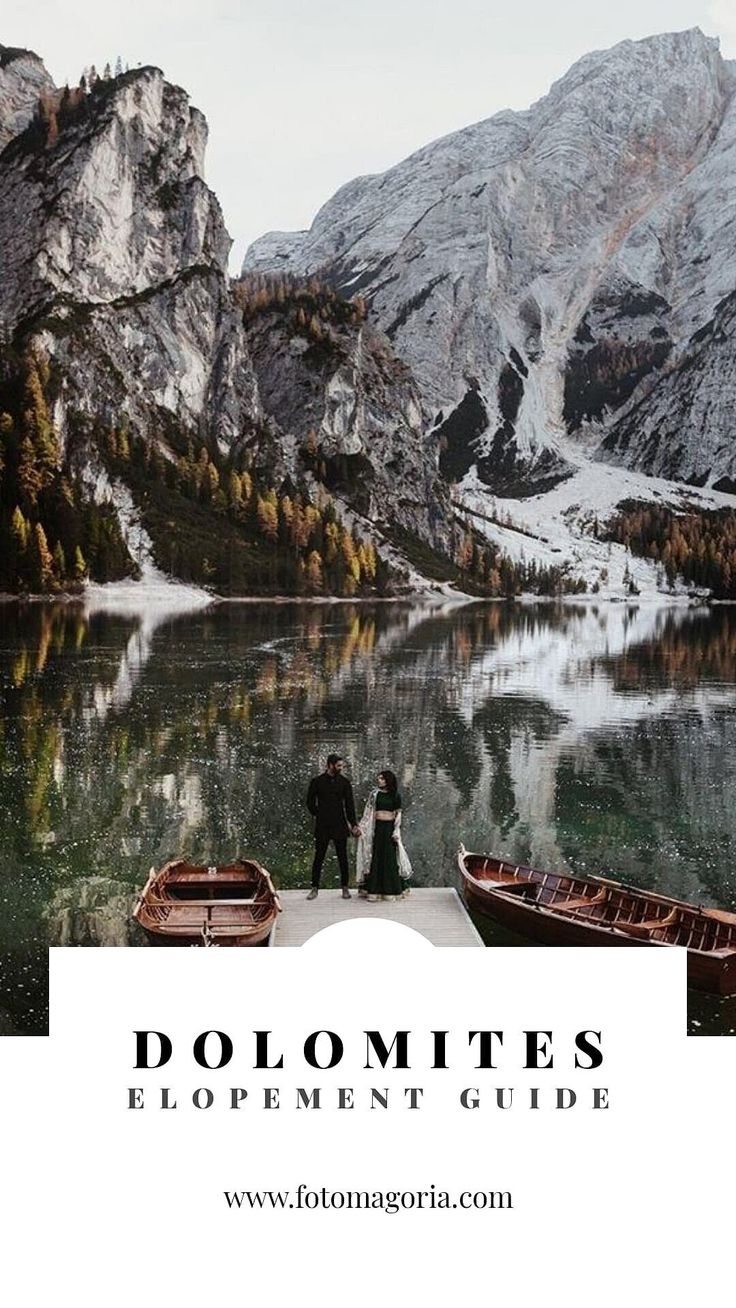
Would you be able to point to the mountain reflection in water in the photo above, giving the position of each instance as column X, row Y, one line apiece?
column 595, row 738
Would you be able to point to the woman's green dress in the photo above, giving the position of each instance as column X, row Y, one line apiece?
column 384, row 880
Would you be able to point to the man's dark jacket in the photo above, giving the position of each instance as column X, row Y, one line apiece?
column 330, row 801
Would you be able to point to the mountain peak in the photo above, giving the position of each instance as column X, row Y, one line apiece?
column 687, row 56
column 23, row 79
column 10, row 54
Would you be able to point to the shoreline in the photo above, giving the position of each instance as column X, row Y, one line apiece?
column 197, row 599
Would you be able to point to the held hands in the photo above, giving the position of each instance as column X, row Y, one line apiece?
column 356, row 831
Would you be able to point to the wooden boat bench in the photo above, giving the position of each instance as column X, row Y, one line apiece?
column 188, row 914
column 584, row 901
column 209, row 903
column 720, row 915
column 512, row 884
column 649, row 924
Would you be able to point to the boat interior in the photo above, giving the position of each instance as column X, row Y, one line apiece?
column 187, row 896
column 609, row 905
column 188, row 881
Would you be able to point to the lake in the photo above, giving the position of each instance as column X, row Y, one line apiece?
column 601, row 739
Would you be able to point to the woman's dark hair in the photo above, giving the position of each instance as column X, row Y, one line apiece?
column 392, row 784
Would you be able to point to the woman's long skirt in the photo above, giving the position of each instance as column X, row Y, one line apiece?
column 384, row 880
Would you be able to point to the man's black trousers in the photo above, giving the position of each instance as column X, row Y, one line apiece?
column 321, row 845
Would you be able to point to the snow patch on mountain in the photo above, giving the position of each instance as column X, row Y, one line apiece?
column 557, row 528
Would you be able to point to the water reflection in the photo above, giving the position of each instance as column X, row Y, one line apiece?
column 600, row 739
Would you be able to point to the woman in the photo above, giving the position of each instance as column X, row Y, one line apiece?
column 383, row 866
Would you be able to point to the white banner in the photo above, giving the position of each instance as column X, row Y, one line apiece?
column 358, row 1181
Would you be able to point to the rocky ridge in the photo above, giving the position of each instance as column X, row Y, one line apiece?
column 23, row 79
column 119, row 265
column 559, row 279
column 114, row 255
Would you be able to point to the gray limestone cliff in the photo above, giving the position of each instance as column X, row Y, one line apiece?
column 558, row 279
column 115, row 263
column 23, row 80
column 115, row 257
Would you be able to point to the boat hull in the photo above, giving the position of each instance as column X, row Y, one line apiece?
column 713, row 974
column 247, row 938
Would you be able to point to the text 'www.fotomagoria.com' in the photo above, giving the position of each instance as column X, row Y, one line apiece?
column 391, row 1202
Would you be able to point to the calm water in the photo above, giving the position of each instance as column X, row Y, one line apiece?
column 600, row 739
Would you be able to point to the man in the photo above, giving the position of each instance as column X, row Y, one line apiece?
column 330, row 801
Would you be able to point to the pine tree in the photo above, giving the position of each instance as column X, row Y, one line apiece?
column 6, row 433
column 40, row 562
column 80, row 567
column 211, row 481
column 123, row 444
column 332, row 538
column 234, row 492
column 465, row 552
column 286, row 514
column 347, row 545
column 29, row 475
column 52, row 134
column 59, row 561
column 268, row 519
column 37, row 423
column 314, row 572
column 17, row 561
column 367, row 560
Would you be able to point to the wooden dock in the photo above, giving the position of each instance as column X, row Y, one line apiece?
column 437, row 912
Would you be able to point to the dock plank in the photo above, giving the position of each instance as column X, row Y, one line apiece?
column 437, row 912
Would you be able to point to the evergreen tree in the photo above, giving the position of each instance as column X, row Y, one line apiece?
column 40, row 562
column 37, row 423
column 59, row 562
column 80, row 567
column 6, row 434
column 268, row 521
column 314, row 572
column 17, row 562
column 29, row 476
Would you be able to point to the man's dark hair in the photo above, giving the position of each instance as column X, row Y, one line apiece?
column 332, row 759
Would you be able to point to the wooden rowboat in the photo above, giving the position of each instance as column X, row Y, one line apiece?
column 187, row 904
column 558, row 909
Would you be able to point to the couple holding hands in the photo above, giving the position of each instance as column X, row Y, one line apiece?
column 382, row 864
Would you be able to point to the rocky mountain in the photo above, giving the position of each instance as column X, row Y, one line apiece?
column 345, row 406
column 560, row 280
column 23, row 80
column 114, row 256
column 458, row 374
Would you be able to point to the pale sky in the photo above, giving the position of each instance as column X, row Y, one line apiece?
column 303, row 95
